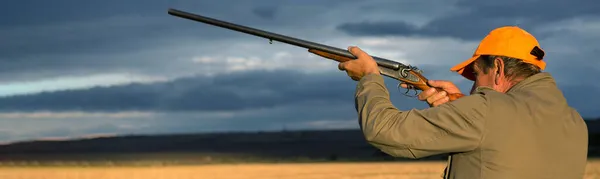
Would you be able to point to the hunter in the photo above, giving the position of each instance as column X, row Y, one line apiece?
column 515, row 124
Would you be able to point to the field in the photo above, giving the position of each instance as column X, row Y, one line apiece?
column 374, row 170
column 341, row 154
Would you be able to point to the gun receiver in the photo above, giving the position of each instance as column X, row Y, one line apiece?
column 407, row 74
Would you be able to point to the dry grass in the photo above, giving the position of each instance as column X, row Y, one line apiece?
column 407, row 170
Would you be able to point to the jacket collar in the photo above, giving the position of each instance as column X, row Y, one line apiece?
column 534, row 80
column 543, row 78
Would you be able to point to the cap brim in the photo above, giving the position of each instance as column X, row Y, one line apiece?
column 460, row 68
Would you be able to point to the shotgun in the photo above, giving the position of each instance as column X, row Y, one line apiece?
column 407, row 74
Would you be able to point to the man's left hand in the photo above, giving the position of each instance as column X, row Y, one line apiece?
column 363, row 65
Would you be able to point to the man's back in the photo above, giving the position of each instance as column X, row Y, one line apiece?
column 530, row 132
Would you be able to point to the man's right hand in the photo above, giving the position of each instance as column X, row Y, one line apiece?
column 435, row 98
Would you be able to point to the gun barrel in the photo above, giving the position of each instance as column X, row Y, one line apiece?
column 281, row 38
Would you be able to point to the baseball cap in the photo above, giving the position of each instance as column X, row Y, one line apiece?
column 509, row 41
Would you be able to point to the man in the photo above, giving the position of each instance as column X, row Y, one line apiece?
column 516, row 124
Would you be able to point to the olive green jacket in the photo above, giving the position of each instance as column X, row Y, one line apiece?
column 528, row 133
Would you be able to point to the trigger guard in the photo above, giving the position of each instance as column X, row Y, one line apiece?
column 409, row 87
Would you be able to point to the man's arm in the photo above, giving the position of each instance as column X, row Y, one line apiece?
column 451, row 127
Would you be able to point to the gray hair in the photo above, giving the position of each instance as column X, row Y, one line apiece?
column 513, row 68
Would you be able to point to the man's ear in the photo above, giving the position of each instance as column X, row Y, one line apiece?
column 499, row 73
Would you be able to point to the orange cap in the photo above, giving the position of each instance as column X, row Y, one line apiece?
column 509, row 41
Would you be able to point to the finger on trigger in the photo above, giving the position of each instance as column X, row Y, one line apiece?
column 403, row 85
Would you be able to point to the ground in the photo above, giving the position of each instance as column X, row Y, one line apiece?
column 373, row 170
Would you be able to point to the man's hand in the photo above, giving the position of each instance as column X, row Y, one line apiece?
column 435, row 98
column 363, row 65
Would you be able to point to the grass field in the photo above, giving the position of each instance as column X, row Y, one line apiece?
column 395, row 170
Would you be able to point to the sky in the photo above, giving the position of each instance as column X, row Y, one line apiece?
column 73, row 69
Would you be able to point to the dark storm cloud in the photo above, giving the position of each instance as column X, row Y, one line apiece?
column 475, row 19
column 265, row 12
column 73, row 27
column 49, row 38
column 42, row 35
column 256, row 89
column 40, row 39
column 379, row 28
column 310, row 115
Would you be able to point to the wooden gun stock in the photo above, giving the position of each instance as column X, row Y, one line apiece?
column 420, row 85
column 423, row 85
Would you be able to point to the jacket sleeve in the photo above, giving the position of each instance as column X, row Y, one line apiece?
column 455, row 126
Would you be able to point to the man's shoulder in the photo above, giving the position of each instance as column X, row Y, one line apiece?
column 487, row 93
column 486, row 99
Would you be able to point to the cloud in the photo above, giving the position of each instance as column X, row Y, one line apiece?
column 125, row 38
column 136, row 37
column 295, row 116
column 5, row 136
column 474, row 19
column 73, row 115
column 379, row 28
column 265, row 12
column 234, row 91
column 29, row 87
